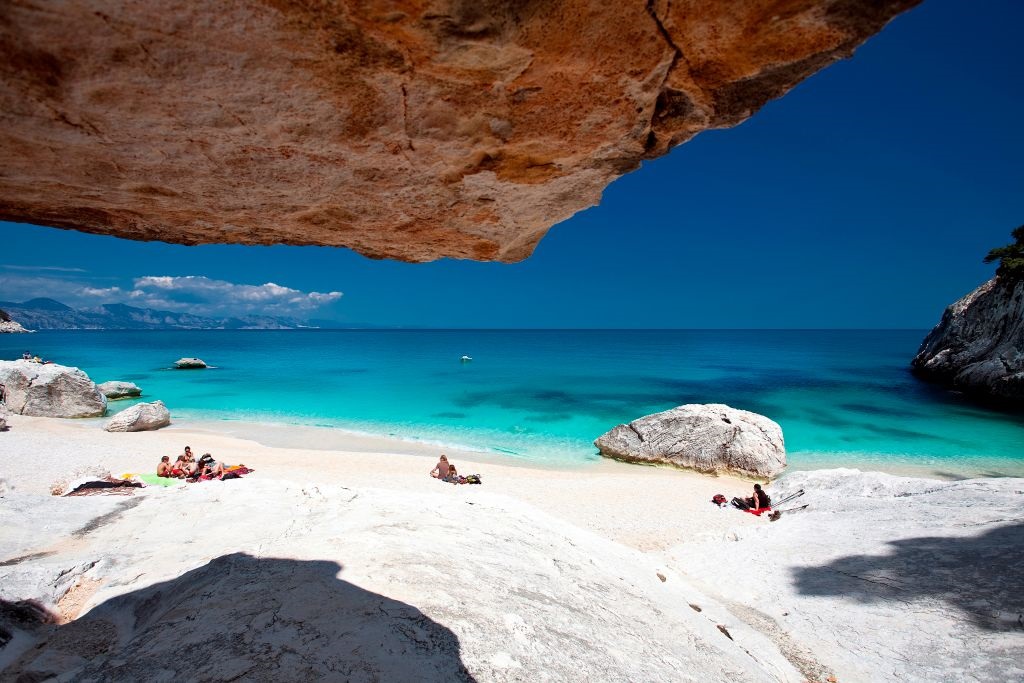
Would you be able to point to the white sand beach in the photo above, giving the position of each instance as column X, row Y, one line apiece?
column 356, row 565
column 644, row 507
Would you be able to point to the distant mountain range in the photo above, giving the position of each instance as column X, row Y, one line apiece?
column 47, row 314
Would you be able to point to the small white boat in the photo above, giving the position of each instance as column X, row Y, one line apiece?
column 466, row 359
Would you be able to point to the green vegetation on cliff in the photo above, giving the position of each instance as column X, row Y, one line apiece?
column 1010, row 257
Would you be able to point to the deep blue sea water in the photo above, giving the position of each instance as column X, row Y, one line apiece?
column 842, row 397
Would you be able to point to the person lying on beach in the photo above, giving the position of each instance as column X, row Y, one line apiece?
column 441, row 469
column 210, row 467
column 164, row 468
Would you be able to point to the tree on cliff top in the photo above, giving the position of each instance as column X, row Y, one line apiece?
column 1010, row 257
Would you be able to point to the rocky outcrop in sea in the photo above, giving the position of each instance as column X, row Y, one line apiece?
column 9, row 326
column 50, row 390
column 704, row 437
column 115, row 391
column 978, row 346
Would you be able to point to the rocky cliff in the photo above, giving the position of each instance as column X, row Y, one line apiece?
column 978, row 346
column 7, row 325
column 413, row 129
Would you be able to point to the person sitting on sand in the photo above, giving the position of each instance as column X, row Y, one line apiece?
column 180, row 467
column 759, row 500
column 453, row 475
column 164, row 468
column 441, row 469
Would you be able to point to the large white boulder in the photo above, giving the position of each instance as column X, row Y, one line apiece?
column 190, row 364
column 141, row 417
column 118, row 390
column 705, row 437
column 50, row 390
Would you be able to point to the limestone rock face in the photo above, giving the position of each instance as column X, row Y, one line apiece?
column 8, row 326
column 3, row 417
column 413, row 129
column 11, row 327
column 345, row 588
column 50, row 390
column 141, row 417
column 118, row 390
column 705, row 437
column 190, row 364
column 978, row 346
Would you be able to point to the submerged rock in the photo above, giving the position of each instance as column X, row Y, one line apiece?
column 118, row 390
column 704, row 437
column 978, row 346
column 190, row 364
column 141, row 417
column 50, row 390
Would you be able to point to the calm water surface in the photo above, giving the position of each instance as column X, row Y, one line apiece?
column 842, row 397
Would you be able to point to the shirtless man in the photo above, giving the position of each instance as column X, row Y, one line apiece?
column 164, row 468
column 441, row 469
column 180, row 467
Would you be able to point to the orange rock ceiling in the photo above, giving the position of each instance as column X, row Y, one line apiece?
column 412, row 130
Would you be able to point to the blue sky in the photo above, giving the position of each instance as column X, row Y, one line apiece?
column 867, row 197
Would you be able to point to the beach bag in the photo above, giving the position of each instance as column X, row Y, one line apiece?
column 719, row 500
column 739, row 504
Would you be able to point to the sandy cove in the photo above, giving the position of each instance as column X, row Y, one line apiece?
column 610, row 498
column 355, row 565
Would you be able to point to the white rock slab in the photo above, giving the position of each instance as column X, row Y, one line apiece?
column 141, row 417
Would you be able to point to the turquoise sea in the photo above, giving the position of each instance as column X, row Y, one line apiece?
column 842, row 397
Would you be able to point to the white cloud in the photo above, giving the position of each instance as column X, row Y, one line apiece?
column 192, row 293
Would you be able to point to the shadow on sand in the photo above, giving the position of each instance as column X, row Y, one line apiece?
column 242, row 617
column 982, row 576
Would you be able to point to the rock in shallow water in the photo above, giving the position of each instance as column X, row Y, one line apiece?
column 704, row 437
column 190, row 364
column 118, row 390
column 50, row 390
column 978, row 346
column 141, row 417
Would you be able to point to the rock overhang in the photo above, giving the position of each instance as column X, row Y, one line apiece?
column 412, row 130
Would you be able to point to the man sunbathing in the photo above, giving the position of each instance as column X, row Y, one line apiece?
column 180, row 467
column 164, row 468
column 441, row 469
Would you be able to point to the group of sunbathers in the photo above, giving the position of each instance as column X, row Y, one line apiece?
column 445, row 471
column 35, row 359
column 187, row 467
